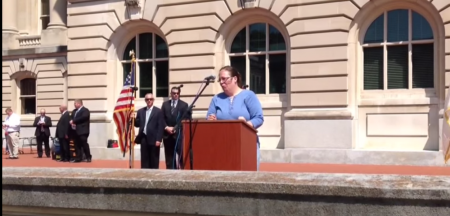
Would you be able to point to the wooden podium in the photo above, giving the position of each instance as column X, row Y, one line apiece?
column 220, row 145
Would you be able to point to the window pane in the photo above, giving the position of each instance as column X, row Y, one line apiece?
column 423, row 66
column 257, row 37
column 397, row 67
column 28, row 105
column 145, row 78
column 126, row 70
column 373, row 68
column 397, row 25
column 44, row 22
column 375, row 32
column 238, row 62
column 145, row 46
column 161, row 48
column 130, row 46
column 277, row 73
column 258, row 74
column 421, row 29
column 238, row 45
column 276, row 40
column 28, row 87
column 45, row 7
column 162, row 78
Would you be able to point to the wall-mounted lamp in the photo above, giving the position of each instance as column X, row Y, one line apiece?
column 132, row 3
column 21, row 64
column 247, row 3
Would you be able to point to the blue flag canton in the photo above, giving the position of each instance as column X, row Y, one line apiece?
column 130, row 81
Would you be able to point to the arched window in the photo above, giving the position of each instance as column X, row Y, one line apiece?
column 152, row 68
column 259, row 53
column 28, row 96
column 399, row 52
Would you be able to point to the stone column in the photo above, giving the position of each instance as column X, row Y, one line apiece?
column 58, row 14
column 24, row 17
column 9, row 16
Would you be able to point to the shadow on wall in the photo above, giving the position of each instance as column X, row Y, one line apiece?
column 433, row 128
column 284, row 105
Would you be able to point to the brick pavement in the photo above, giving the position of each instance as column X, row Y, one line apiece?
column 31, row 160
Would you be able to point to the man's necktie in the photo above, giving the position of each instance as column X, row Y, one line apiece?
column 42, row 126
column 147, row 117
column 173, row 107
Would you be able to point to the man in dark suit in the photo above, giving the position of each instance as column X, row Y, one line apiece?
column 62, row 133
column 81, row 119
column 42, row 133
column 150, row 122
column 173, row 110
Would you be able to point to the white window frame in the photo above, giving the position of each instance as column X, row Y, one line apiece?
column 41, row 16
column 21, row 97
column 385, row 44
column 247, row 55
column 153, row 60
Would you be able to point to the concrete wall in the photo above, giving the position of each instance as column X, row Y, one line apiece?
column 324, row 107
column 145, row 192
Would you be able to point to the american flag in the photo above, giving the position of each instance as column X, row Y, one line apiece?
column 124, row 110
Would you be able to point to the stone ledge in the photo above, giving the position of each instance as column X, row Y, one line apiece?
column 225, row 193
column 34, row 52
column 317, row 114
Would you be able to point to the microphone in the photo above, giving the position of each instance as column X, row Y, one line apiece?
column 244, row 86
column 180, row 86
column 134, row 88
column 212, row 77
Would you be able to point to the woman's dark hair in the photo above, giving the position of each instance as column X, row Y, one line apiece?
column 233, row 73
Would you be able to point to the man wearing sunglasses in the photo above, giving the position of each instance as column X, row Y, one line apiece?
column 150, row 122
column 173, row 110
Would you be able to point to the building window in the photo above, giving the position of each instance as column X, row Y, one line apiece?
column 28, row 96
column 152, row 68
column 399, row 52
column 45, row 14
column 258, row 52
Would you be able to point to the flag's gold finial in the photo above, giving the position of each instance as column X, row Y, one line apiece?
column 132, row 54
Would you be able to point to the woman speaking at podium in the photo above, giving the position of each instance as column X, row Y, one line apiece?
column 235, row 103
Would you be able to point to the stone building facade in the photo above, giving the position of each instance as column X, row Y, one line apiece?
column 348, row 81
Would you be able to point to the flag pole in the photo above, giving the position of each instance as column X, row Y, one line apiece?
column 131, row 133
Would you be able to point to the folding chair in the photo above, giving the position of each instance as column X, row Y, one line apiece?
column 28, row 141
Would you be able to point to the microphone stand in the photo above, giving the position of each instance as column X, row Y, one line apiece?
column 178, row 125
column 129, row 123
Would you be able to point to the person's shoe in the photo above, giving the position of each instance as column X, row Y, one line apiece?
column 39, row 156
column 75, row 161
column 89, row 160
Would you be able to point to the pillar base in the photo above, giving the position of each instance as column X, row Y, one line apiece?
column 56, row 26
column 318, row 129
column 54, row 37
column 9, row 40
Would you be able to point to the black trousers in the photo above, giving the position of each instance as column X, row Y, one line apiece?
column 82, row 146
column 170, row 143
column 149, row 155
column 65, row 148
column 43, row 139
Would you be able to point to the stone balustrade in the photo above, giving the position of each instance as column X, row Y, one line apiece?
column 53, row 191
column 29, row 41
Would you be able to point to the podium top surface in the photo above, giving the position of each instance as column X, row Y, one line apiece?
column 224, row 121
